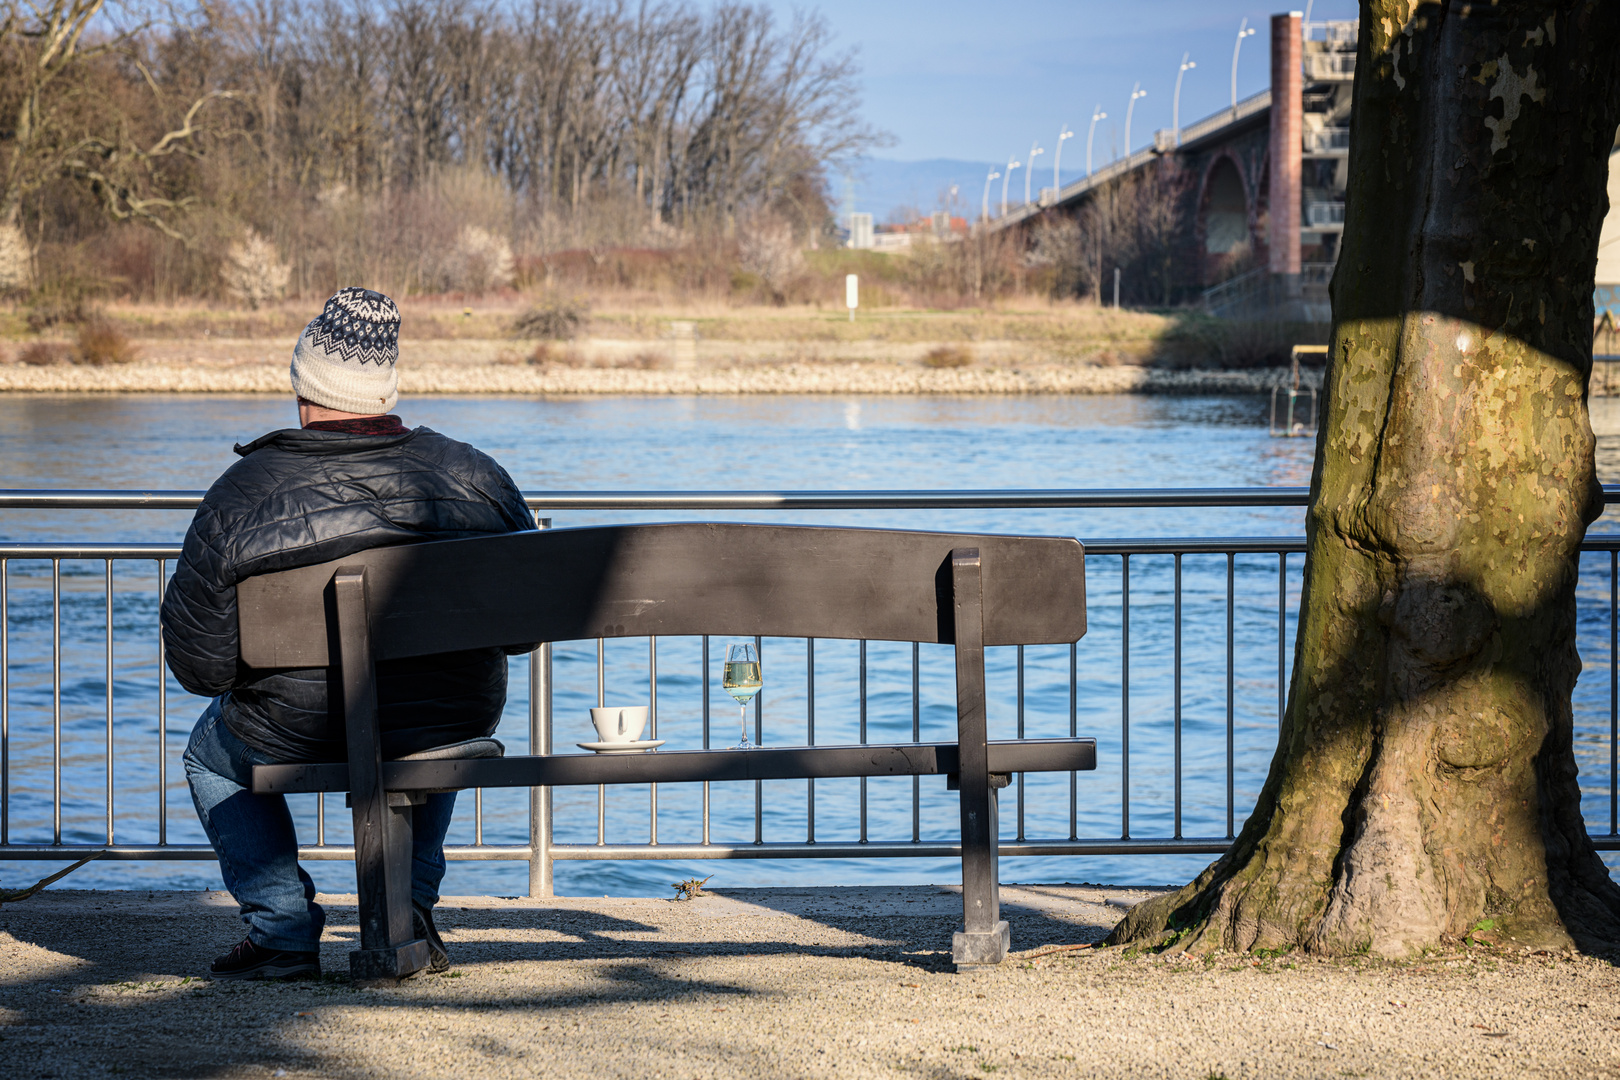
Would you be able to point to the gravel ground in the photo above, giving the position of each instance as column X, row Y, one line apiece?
column 850, row 982
column 471, row 368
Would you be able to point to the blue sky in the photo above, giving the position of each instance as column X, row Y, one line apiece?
column 979, row 81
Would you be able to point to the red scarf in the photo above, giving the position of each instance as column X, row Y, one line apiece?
column 364, row 425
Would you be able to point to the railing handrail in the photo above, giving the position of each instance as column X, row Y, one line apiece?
column 1158, row 545
column 994, row 498
column 1150, row 545
column 899, row 499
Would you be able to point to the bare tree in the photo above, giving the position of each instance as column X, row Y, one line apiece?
column 1424, row 787
column 350, row 117
column 59, row 89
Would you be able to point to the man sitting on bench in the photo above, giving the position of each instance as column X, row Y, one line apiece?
column 351, row 478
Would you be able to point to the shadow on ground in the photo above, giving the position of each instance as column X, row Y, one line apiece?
column 110, row 983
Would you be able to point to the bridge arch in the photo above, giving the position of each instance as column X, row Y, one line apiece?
column 1226, row 216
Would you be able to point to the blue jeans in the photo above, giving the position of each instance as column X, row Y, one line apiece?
column 258, row 849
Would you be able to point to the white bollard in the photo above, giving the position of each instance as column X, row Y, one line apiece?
column 852, row 294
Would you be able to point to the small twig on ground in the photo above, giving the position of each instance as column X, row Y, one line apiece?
column 1059, row 948
column 11, row 896
column 690, row 889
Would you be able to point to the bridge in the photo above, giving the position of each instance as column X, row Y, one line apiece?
column 1258, row 188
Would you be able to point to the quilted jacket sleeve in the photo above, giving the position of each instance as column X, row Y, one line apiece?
column 199, row 609
column 501, row 491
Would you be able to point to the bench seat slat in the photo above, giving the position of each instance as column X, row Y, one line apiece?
column 775, row 763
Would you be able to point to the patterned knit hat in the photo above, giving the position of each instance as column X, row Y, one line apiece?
column 345, row 358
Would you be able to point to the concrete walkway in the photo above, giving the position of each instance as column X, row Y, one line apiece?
column 848, row 982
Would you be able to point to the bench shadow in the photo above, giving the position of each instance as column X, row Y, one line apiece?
column 98, row 983
column 101, row 989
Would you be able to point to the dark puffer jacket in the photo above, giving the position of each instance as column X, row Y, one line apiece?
column 299, row 497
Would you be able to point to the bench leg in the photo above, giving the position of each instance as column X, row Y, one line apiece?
column 984, row 937
column 382, row 820
column 382, row 861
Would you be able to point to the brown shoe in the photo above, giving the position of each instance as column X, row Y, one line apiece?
column 250, row 961
column 422, row 926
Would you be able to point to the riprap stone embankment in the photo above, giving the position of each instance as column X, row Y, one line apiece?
column 200, row 377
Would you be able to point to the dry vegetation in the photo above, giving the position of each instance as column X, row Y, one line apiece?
column 560, row 172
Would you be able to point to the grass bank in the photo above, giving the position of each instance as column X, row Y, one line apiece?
column 580, row 329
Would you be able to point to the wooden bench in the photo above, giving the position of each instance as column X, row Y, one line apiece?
column 665, row 580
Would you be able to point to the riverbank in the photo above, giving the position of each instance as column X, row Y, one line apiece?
column 492, row 368
column 636, row 345
column 823, row 982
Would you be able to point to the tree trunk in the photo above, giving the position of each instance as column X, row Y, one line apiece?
column 1424, row 783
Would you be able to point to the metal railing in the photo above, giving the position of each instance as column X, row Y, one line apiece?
column 1238, row 294
column 541, row 850
column 1337, row 31
column 1330, row 66
column 1324, row 213
column 1332, row 140
column 1216, row 121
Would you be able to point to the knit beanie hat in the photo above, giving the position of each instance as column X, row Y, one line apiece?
column 345, row 358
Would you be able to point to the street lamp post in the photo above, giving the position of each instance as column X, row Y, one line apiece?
column 1096, row 115
column 1029, row 171
column 1244, row 30
column 1006, row 176
column 1175, row 107
column 1136, row 92
column 1057, row 156
column 985, row 213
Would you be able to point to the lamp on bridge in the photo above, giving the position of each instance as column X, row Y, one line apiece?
column 1136, row 92
column 1244, row 30
column 985, row 213
column 1096, row 115
column 1034, row 149
column 1057, row 156
column 1011, row 165
column 1175, row 106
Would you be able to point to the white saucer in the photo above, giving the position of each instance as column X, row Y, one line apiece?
column 637, row 747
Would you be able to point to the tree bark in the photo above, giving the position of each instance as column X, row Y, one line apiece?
column 1424, row 784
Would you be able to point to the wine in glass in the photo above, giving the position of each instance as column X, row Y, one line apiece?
column 741, row 680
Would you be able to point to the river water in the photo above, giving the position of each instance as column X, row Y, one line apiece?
column 160, row 441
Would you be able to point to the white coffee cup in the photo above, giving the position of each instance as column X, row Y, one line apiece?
column 620, row 724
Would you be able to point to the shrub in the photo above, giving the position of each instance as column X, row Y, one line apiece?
column 767, row 249
column 67, row 299
column 1198, row 340
column 16, row 263
column 479, row 261
column 948, row 356
column 45, row 354
column 553, row 319
column 100, row 342
column 253, row 272
column 546, row 355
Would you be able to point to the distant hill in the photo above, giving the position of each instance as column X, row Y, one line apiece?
column 883, row 186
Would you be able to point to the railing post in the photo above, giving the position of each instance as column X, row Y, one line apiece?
column 5, row 705
column 540, row 861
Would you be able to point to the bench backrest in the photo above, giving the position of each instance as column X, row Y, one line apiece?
column 667, row 580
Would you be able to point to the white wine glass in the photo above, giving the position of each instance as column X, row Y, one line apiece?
column 742, row 681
